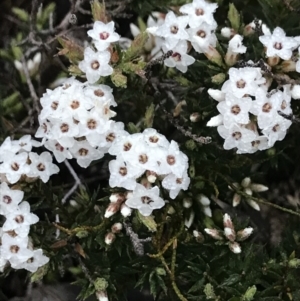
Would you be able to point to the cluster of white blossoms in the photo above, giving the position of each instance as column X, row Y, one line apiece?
column 96, row 63
column 250, row 116
column 148, row 153
column 197, row 25
column 75, row 121
column 17, row 160
column 15, row 246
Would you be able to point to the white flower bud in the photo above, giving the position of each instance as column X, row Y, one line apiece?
column 111, row 209
column 246, row 182
column 259, row 188
column 235, row 247
column 171, row 210
column 253, row 204
column 244, row 234
column 207, row 211
column 195, row 117
column 227, row 222
column 188, row 222
column 125, row 210
column 229, row 233
column 117, row 198
column 204, row 200
column 116, row 228
column 101, row 296
column 187, row 203
column 215, row 121
column 109, row 238
column 214, row 233
column 217, row 95
column 236, row 199
column 226, row 32
column 296, row 92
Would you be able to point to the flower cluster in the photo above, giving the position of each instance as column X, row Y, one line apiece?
column 16, row 248
column 245, row 94
column 17, row 160
column 96, row 64
column 75, row 121
column 197, row 26
column 230, row 234
column 152, row 154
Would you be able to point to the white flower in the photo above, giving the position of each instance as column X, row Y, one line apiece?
column 173, row 29
column 258, row 143
column 217, row 95
column 41, row 166
column 204, row 201
column 123, row 174
column 276, row 131
column 60, row 153
column 154, row 139
column 25, row 143
column 235, row 45
column 243, row 81
column 34, row 262
column 199, row 11
column 103, row 34
column 179, row 58
column 100, row 94
column 174, row 161
column 14, row 249
column 14, row 167
column 295, row 92
column 278, row 44
column 20, row 220
column 145, row 200
column 8, row 149
column 265, row 108
column 202, row 37
column 235, row 135
column 298, row 62
column 175, row 184
column 95, row 64
column 85, row 153
column 9, row 199
column 235, row 110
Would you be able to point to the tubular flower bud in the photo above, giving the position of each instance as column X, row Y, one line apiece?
column 235, row 247
column 111, row 209
column 109, row 238
column 244, row 234
column 214, row 233
column 116, row 228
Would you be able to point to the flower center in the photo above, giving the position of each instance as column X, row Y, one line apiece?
column 267, row 107
column 153, row 139
column 127, row 146
column 201, row 33
column 15, row 166
column 171, row 160
column 75, row 104
column 58, row 147
column 7, row 199
column 179, row 181
column 176, row 56
column 83, row 152
column 123, row 171
column 174, row 29
column 110, row 137
column 146, row 200
column 99, row 93
column 143, row 158
column 199, row 12
column 276, row 128
column 41, row 167
column 44, row 127
column 64, row 128
column 235, row 110
column 19, row 219
column 255, row 143
column 104, row 35
column 278, row 45
column 14, row 249
column 92, row 124
column 241, row 84
column 237, row 135
column 54, row 105
column 95, row 65
column 283, row 105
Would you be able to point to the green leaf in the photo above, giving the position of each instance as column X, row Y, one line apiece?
column 294, row 263
column 209, row 291
column 98, row 11
column 249, row 293
column 148, row 221
column 234, row 17
column 119, row 79
column 148, row 120
column 136, row 47
column 232, row 279
column 21, row 14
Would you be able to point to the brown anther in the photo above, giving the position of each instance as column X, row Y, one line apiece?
column 241, row 84
column 75, row 104
column 179, row 180
column 201, row 33
column 15, row 166
column 83, row 152
column 19, row 219
column 153, row 139
column 255, row 143
column 110, row 137
column 146, row 200
column 92, row 124
column 143, row 158
column 278, row 45
column 123, row 171
column 6, row 199
column 267, row 107
column 127, row 146
column 58, row 147
column 54, row 105
column 64, row 128
column 174, row 29
column 237, row 135
column 176, row 56
column 104, row 35
column 235, row 110
column 283, row 105
column 95, row 65
column 99, row 93
column 199, row 12
column 276, row 128
column 171, row 160
column 14, row 249
column 41, row 167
